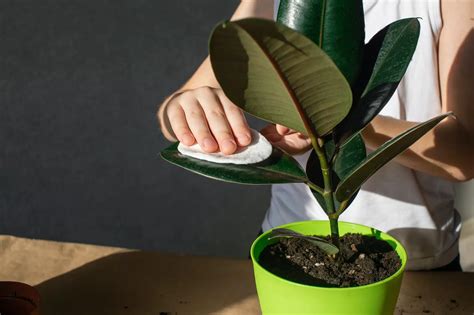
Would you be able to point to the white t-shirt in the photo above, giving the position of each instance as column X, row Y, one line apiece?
column 416, row 208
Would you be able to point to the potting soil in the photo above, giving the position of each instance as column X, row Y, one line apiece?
column 362, row 260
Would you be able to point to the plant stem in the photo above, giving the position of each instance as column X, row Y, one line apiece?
column 334, row 231
column 328, row 190
column 315, row 187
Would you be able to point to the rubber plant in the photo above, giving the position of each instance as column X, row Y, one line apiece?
column 311, row 71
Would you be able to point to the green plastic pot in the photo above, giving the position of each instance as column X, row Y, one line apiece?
column 280, row 296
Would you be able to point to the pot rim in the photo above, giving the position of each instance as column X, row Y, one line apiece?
column 402, row 255
column 19, row 291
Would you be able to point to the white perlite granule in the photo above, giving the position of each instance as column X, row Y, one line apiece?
column 258, row 150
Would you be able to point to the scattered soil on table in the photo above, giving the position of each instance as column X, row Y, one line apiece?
column 362, row 260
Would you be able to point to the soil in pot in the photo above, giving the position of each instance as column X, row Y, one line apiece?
column 362, row 260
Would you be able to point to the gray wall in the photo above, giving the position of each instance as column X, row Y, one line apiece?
column 79, row 84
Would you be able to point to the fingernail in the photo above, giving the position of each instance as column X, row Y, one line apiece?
column 209, row 143
column 243, row 138
column 228, row 145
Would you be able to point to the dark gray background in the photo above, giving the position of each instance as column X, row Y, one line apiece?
column 79, row 84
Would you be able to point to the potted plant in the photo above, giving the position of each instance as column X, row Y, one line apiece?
column 18, row 298
column 312, row 72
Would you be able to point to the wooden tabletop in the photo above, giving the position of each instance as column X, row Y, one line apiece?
column 85, row 279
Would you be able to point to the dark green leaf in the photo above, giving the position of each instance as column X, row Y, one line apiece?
column 336, row 26
column 315, row 175
column 329, row 146
column 320, row 199
column 378, row 158
column 323, row 244
column 279, row 168
column 394, row 46
column 386, row 58
column 279, row 75
column 313, row 169
column 348, row 157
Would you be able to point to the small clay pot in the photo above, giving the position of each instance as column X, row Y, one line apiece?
column 18, row 298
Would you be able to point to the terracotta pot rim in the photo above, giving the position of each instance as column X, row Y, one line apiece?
column 19, row 290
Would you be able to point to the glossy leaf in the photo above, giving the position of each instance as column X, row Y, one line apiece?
column 315, row 175
column 329, row 147
column 349, row 156
column 320, row 199
column 279, row 168
column 378, row 158
column 336, row 26
column 323, row 244
column 386, row 58
column 279, row 75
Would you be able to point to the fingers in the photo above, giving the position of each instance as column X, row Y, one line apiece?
column 292, row 142
column 179, row 125
column 206, row 116
column 237, row 121
column 217, row 120
column 197, row 122
column 282, row 130
column 270, row 132
column 270, row 128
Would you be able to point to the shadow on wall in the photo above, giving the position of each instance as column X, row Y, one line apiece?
column 150, row 283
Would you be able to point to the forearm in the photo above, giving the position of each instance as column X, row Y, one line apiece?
column 446, row 151
column 204, row 75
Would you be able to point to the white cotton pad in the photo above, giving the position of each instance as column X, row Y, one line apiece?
column 258, row 150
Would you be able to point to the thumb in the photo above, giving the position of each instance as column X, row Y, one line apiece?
column 282, row 130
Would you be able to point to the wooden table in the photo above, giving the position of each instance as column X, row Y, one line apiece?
column 85, row 279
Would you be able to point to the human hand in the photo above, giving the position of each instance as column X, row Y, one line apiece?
column 286, row 139
column 206, row 116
